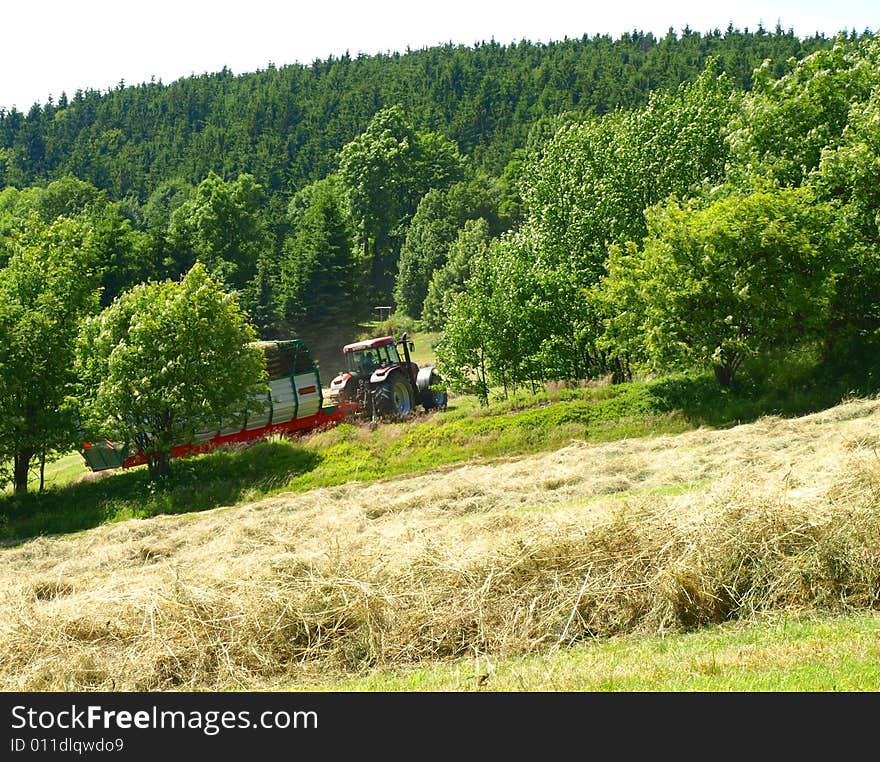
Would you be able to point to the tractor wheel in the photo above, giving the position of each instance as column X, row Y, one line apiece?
column 433, row 398
column 393, row 398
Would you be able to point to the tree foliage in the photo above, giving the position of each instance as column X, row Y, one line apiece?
column 222, row 227
column 470, row 246
column 166, row 360
column 386, row 170
column 48, row 286
column 787, row 122
column 438, row 219
column 592, row 181
column 284, row 124
column 719, row 283
column 496, row 326
column 848, row 173
column 320, row 271
column 585, row 190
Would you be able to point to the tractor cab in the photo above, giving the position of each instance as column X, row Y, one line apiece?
column 364, row 357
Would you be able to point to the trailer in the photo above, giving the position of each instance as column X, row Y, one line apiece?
column 294, row 404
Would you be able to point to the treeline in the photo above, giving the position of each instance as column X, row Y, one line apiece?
column 283, row 125
column 299, row 186
column 711, row 226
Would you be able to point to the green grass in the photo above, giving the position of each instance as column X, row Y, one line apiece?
column 424, row 354
column 66, row 469
column 351, row 452
column 225, row 477
column 785, row 654
column 58, row 473
column 519, row 424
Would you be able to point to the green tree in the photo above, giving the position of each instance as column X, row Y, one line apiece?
column 848, row 173
column 385, row 172
column 122, row 252
column 221, row 226
column 164, row 361
column 730, row 280
column 786, row 123
column 463, row 349
column 586, row 190
column 16, row 208
column 161, row 204
column 284, row 125
column 320, row 272
column 495, row 328
column 435, row 225
column 48, row 286
column 451, row 279
column 69, row 197
column 510, row 204
column 590, row 184
column 125, row 255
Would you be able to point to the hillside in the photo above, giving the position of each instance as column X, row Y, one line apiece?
column 284, row 125
column 495, row 557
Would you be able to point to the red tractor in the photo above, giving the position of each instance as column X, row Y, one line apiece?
column 383, row 384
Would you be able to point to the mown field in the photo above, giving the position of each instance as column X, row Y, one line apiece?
column 600, row 538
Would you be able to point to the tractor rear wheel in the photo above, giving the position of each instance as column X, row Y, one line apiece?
column 393, row 398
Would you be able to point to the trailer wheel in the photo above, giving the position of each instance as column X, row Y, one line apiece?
column 393, row 398
column 431, row 394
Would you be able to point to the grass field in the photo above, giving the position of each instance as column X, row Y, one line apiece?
column 776, row 654
column 554, row 547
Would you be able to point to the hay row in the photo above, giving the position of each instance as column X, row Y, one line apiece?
column 265, row 594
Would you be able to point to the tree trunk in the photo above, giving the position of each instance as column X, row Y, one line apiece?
column 483, row 382
column 724, row 374
column 159, row 465
column 22, row 468
column 620, row 370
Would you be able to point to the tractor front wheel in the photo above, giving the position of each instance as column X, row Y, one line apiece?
column 434, row 399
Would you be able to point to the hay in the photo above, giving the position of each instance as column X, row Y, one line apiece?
column 520, row 556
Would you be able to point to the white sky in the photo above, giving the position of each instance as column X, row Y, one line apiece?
column 52, row 46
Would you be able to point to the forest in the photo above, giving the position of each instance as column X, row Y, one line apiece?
column 559, row 212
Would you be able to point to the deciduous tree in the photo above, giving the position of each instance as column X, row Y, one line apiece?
column 742, row 275
column 385, row 171
column 48, row 286
column 451, row 279
column 221, row 226
column 165, row 360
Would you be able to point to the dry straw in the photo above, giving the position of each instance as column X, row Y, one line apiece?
column 521, row 556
